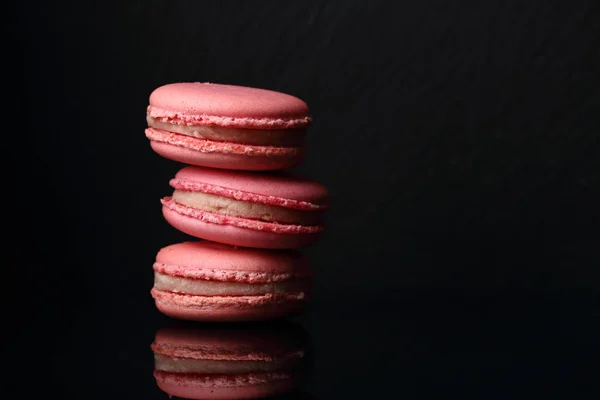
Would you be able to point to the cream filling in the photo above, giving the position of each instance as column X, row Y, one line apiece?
column 237, row 208
column 264, row 137
column 200, row 287
column 189, row 365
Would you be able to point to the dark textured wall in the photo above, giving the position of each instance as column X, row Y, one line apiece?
column 459, row 139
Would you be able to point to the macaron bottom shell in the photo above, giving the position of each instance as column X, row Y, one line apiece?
column 232, row 161
column 237, row 236
column 181, row 387
column 227, row 308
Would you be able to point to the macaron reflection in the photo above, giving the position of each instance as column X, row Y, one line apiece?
column 196, row 361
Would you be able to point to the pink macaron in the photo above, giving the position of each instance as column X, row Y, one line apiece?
column 207, row 281
column 251, row 209
column 227, row 126
column 220, row 362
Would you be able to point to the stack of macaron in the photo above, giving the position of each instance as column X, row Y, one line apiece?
column 248, row 215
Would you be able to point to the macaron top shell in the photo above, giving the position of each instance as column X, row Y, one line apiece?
column 282, row 189
column 197, row 103
column 210, row 260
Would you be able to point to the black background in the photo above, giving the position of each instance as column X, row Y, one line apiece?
column 459, row 141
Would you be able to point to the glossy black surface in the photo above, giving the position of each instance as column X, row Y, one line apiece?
column 412, row 344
